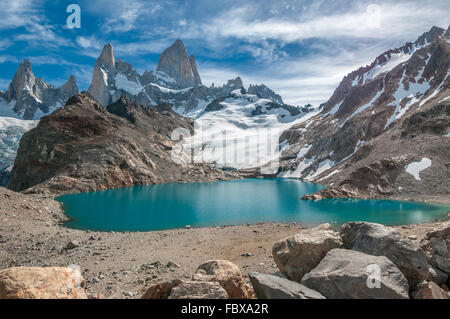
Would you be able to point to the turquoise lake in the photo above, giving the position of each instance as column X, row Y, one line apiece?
column 167, row 206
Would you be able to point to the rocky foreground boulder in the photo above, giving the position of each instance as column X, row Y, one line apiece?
column 344, row 274
column 295, row 256
column 41, row 283
column 275, row 287
column 228, row 275
column 161, row 290
column 379, row 240
column 438, row 255
column 198, row 290
column 429, row 290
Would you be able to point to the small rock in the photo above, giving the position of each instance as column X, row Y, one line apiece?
column 171, row 264
column 187, row 227
column 429, row 290
column 72, row 244
column 162, row 290
column 246, row 254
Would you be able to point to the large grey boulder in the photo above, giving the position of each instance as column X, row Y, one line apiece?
column 198, row 290
column 345, row 274
column 274, row 287
column 295, row 256
column 438, row 255
column 379, row 240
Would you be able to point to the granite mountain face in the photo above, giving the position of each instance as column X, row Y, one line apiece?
column 175, row 81
column 176, row 63
column 29, row 97
column 384, row 132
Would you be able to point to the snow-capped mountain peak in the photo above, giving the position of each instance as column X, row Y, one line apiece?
column 29, row 97
column 175, row 81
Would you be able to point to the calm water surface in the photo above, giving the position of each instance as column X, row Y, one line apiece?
column 167, row 206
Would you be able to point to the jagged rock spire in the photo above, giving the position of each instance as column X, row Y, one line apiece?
column 107, row 56
column 176, row 63
column 104, row 67
column 24, row 76
column 33, row 96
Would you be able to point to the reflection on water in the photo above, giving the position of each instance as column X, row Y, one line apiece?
column 166, row 206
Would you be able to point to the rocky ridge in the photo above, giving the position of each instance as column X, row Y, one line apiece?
column 384, row 132
column 29, row 97
column 84, row 146
column 176, row 81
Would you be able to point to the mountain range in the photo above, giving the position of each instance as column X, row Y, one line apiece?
column 176, row 81
column 383, row 133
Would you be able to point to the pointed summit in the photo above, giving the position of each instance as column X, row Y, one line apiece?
column 32, row 97
column 104, row 69
column 107, row 56
column 176, row 63
column 70, row 88
column 23, row 79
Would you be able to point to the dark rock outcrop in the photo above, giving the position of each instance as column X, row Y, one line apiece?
column 264, row 92
column 83, row 147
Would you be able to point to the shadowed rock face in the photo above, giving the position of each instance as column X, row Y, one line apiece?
column 176, row 63
column 84, row 146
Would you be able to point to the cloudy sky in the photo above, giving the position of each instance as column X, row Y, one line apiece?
column 301, row 49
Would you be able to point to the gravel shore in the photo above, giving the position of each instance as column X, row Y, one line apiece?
column 124, row 265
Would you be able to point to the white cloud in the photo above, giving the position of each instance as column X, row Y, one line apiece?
column 4, row 83
column 387, row 20
column 17, row 13
column 122, row 16
column 7, row 58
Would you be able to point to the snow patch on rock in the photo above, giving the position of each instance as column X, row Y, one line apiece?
column 415, row 168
